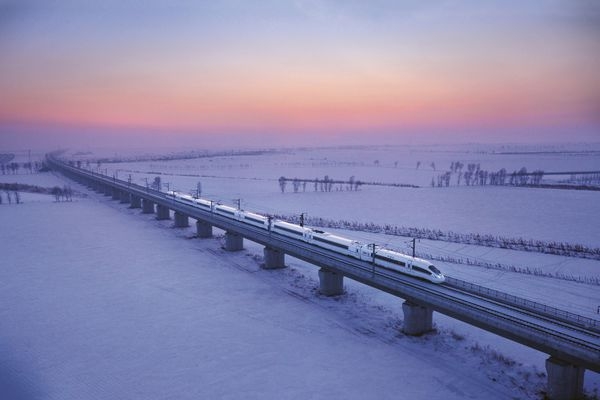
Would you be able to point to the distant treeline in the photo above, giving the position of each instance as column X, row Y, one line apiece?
column 179, row 156
column 474, row 175
column 590, row 280
column 11, row 190
column 532, row 245
column 13, row 168
column 327, row 184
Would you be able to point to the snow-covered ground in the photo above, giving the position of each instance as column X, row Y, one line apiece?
column 553, row 215
column 99, row 301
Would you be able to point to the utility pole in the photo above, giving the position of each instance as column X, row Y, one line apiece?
column 239, row 203
column 413, row 247
column 373, row 255
column 302, row 220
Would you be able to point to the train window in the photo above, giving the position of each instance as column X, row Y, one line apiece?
column 390, row 260
column 288, row 230
column 435, row 270
column 318, row 239
column 422, row 270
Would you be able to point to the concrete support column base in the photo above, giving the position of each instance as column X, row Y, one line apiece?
column 162, row 212
column 147, row 207
column 233, row 242
column 273, row 258
column 203, row 230
column 136, row 202
column 125, row 197
column 116, row 195
column 181, row 220
column 108, row 191
column 330, row 283
column 417, row 319
column 565, row 381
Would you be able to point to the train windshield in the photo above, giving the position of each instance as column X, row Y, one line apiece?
column 435, row 270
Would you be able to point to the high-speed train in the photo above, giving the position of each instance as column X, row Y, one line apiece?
column 382, row 257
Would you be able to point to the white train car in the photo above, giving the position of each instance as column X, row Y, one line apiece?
column 190, row 200
column 254, row 219
column 389, row 259
column 336, row 243
column 204, row 204
column 291, row 230
column 227, row 211
column 409, row 265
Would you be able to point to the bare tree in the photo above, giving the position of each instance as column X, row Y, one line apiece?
column 57, row 192
column 282, row 183
column 156, row 183
column 296, row 185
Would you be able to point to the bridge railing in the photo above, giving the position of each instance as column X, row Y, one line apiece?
column 530, row 305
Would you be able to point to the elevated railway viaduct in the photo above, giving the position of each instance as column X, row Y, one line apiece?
column 571, row 341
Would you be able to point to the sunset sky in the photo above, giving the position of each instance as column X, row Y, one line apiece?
column 238, row 72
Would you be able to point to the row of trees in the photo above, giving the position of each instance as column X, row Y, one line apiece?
column 188, row 155
column 62, row 194
column 474, row 175
column 584, row 179
column 532, row 245
column 15, row 167
column 590, row 280
column 12, row 192
column 326, row 184
column 10, row 195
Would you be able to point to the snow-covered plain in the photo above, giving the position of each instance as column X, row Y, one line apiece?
column 123, row 306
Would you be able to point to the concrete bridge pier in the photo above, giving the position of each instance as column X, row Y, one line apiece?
column 181, row 220
column 203, row 230
column 330, row 283
column 233, row 241
column 417, row 319
column 147, row 207
column 162, row 212
column 125, row 197
column 565, row 381
column 108, row 191
column 116, row 194
column 136, row 202
column 273, row 258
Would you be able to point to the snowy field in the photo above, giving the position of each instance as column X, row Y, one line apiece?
column 124, row 306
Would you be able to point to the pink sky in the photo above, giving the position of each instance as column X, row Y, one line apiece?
column 293, row 72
